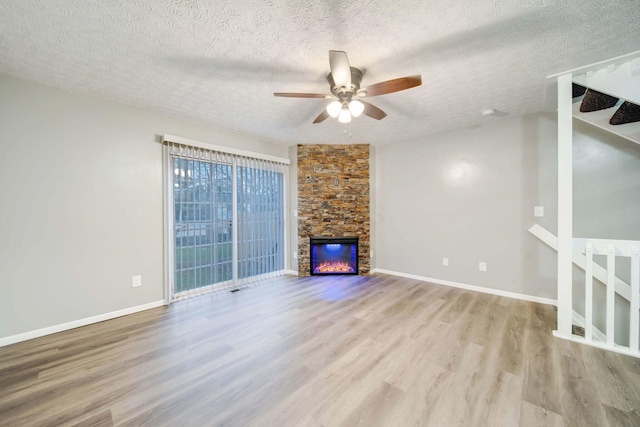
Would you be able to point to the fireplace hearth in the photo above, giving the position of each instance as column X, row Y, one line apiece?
column 333, row 255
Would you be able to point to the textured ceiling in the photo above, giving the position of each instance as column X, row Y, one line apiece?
column 220, row 61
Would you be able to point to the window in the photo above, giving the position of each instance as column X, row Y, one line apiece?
column 226, row 220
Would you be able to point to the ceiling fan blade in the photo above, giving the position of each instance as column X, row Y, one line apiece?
column 340, row 69
column 322, row 117
column 391, row 86
column 373, row 111
column 300, row 95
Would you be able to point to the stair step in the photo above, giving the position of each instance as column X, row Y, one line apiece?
column 595, row 101
column 627, row 113
column 578, row 90
column 600, row 119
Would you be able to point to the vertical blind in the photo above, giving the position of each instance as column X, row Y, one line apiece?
column 226, row 220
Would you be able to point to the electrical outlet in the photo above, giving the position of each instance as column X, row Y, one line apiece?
column 295, row 255
column 445, row 261
column 371, row 253
column 482, row 266
column 136, row 281
column 538, row 211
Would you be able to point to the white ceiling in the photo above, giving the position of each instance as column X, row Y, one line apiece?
column 220, row 61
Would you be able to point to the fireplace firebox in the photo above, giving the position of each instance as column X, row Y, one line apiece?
column 334, row 255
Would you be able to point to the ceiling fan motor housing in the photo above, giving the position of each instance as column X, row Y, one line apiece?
column 345, row 94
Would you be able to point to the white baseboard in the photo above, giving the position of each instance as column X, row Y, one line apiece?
column 469, row 287
column 292, row 272
column 77, row 323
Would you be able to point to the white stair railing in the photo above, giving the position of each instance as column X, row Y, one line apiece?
column 612, row 78
column 583, row 252
column 611, row 249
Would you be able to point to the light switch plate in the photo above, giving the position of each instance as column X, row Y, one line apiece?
column 482, row 266
column 538, row 211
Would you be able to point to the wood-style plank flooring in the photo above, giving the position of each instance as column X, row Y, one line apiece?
column 321, row 351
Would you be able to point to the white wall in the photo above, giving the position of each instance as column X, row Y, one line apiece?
column 469, row 195
column 81, row 203
column 606, row 175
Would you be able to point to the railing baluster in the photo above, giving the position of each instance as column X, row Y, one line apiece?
column 588, row 305
column 611, row 293
column 617, row 290
column 635, row 298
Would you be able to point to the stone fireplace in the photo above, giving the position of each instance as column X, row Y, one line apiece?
column 333, row 199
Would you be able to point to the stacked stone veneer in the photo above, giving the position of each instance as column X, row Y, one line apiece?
column 333, row 198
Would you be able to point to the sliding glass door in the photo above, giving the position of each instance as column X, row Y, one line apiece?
column 260, row 221
column 226, row 220
column 202, row 195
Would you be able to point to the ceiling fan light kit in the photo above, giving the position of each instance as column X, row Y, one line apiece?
column 344, row 82
column 345, row 116
column 334, row 108
column 356, row 108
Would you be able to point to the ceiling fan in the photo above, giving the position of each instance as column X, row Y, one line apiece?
column 347, row 94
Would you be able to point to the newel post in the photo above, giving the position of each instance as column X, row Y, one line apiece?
column 565, row 205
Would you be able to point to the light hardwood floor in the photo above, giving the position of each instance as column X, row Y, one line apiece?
column 338, row 351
